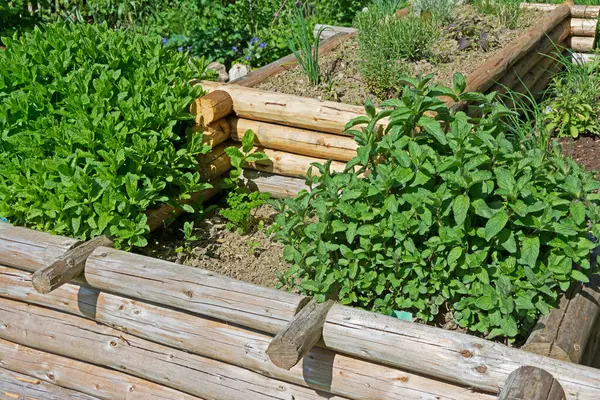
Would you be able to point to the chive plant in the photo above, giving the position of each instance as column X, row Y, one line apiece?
column 300, row 43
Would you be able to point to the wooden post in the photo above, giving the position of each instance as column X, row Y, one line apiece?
column 531, row 383
column 67, row 266
column 296, row 339
column 82, row 377
column 15, row 386
column 212, row 107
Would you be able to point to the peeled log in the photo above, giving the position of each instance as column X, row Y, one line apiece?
column 494, row 69
column 103, row 383
column 215, row 133
column 289, row 164
column 295, row 140
column 531, row 383
column 322, row 369
column 277, row 185
column 285, row 109
column 87, row 341
column 327, row 31
column 581, row 44
column 15, row 386
column 583, row 27
column 577, row 11
column 212, row 107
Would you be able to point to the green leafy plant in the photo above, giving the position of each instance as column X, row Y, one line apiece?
column 240, row 201
column 443, row 214
column 385, row 43
column 300, row 42
column 473, row 33
column 507, row 12
column 441, row 10
column 188, row 232
column 388, row 7
column 92, row 132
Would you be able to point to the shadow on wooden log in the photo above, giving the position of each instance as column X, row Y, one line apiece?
column 278, row 186
column 68, row 266
column 300, row 334
column 531, row 383
column 213, row 134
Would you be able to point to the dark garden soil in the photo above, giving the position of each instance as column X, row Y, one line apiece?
column 341, row 67
column 252, row 257
column 584, row 150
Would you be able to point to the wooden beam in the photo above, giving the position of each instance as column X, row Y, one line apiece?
column 300, row 334
column 531, row 383
column 321, row 369
column 327, row 31
column 577, row 11
column 565, row 331
column 15, row 386
column 581, row 44
column 68, row 266
column 82, row 377
column 90, row 342
column 212, row 107
column 278, row 186
column 494, row 69
column 295, row 140
column 583, row 27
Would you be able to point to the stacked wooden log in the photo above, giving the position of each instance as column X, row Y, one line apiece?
column 142, row 328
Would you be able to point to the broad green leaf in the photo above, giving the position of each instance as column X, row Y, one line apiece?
column 460, row 207
column 530, row 250
column 495, row 224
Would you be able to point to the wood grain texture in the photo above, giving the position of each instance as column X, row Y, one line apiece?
column 565, row 331
column 289, row 164
column 294, row 140
column 289, row 110
column 16, row 386
column 260, row 75
column 581, row 44
column 67, row 266
column 213, row 134
column 324, row 31
column 583, row 27
column 212, row 107
column 321, row 369
column 278, row 186
column 494, row 69
column 577, row 11
column 88, row 341
column 300, row 334
column 102, row 383
column 531, row 383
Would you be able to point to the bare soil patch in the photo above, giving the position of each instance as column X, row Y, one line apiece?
column 584, row 150
column 342, row 81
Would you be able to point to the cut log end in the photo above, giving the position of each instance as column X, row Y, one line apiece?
column 215, row 105
column 531, row 383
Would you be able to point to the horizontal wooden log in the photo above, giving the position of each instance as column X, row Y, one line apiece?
column 102, row 383
column 565, row 331
column 289, row 164
column 577, row 11
column 542, row 83
column 212, row 107
column 326, row 31
column 547, row 47
column 67, row 266
column 16, row 386
column 295, row 140
column 321, row 369
column 299, row 336
column 581, row 44
column 87, row 341
column 213, row 134
column 260, row 75
column 529, row 84
column 290, row 110
column 277, row 185
column 459, row 358
column 583, row 58
column 583, row 27
column 494, row 69
column 531, row 383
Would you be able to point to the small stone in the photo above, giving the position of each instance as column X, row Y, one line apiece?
column 220, row 70
column 237, row 71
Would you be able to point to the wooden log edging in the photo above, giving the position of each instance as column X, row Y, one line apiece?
column 87, row 341
column 99, row 382
column 577, row 11
column 531, row 383
column 321, row 369
column 581, row 44
column 16, row 386
column 583, row 27
column 278, row 186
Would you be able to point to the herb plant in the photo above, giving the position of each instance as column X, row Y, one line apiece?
column 443, row 215
column 240, row 201
column 441, row 10
column 90, row 131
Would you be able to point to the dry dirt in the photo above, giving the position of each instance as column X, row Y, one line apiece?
column 584, row 150
column 341, row 67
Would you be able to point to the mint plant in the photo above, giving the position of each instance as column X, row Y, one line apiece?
column 443, row 214
column 240, row 201
column 91, row 133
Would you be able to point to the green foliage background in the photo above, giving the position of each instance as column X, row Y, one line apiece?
column 90, row 130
